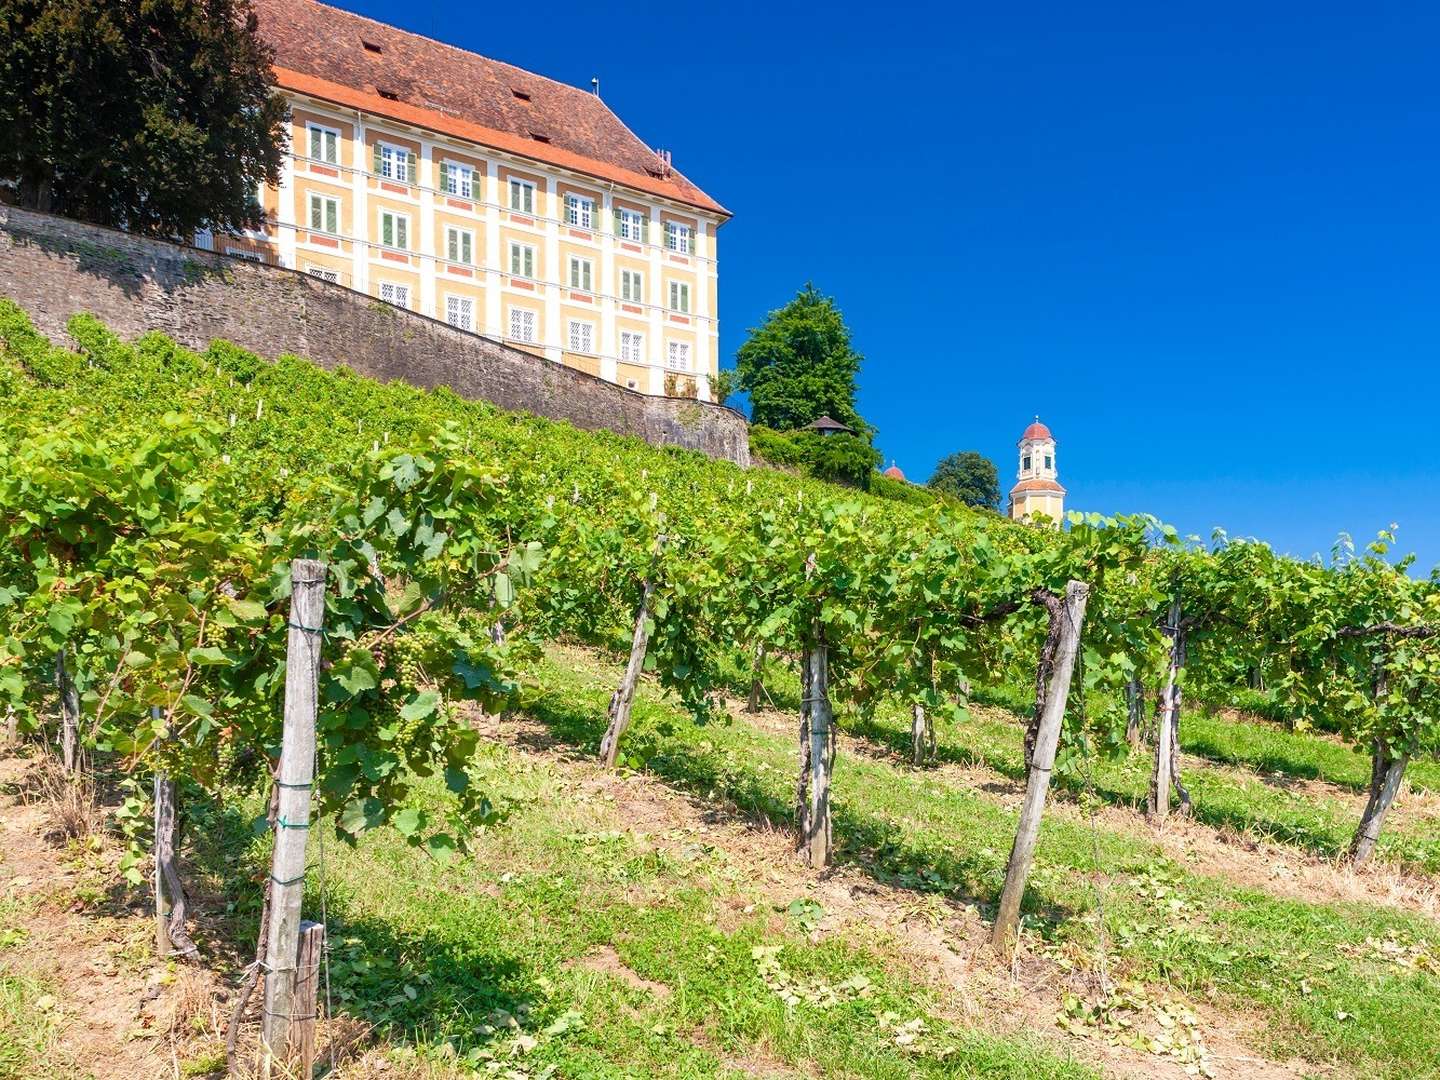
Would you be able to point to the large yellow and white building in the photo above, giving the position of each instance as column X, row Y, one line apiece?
column 497, row 200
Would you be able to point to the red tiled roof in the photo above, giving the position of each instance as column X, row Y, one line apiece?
column 1038, row 485
column 323, row 51
column 1037, row 430
column 894, row 472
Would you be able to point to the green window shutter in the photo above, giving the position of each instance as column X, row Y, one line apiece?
column 529, row 262
column 645, row 230
column 410, row 165
column 314, row 211
column 332, row 213
column 452, row 246
column 587, row 277
column 376, row 161
column 387, row 230
column 514, row 259
column 616, row 210
column 401, row 228
column 314, row 142
column 467, row 249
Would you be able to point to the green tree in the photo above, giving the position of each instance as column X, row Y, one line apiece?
column 970, row 477
column 154, row 116
column 799, row 365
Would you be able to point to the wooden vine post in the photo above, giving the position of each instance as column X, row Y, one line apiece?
column 1163, row 775
column 623, row 698
column 1070, row 615
column 818, row 754
column 170, row 902
column 294, row 778
column 1135, row 706
column 69, row 715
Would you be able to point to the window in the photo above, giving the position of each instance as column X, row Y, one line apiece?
column 632, row 347
column 395, row 163
column 460, row 312
column 677, row 356
column 522, row 260
column 391, row 293
column 324, row 144
column 522, row 196
column 677, row 237
column 580, row 273
column 459, row 245
column 1048, row 460
column 1025, row 462
column 582, row 336
column 457, row 180
column 630, row 225
column 522, row 324
column 520, row 95
column 679, row 296
column 323, row 273
column 632, row 286
column 324, row 214
column 394, row 230
column 580, row 211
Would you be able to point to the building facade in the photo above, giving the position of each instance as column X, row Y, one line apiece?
column 1037, row 491
column 491, row 198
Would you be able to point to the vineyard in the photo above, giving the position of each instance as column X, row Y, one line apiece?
column 616, row 760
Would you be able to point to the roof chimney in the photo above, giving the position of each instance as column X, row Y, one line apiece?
column 663, row 158
column 595, row 85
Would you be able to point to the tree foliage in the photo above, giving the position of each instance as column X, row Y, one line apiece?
column 154, row 116
column 969, row 476
column 799, row 365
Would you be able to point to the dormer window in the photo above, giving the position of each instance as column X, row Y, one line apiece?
column 1049, row 462
column 371, row 47
column 539, row 137
column 1025, row 462
column 520, row 95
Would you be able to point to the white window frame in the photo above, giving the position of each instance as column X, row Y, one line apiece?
column 581, row 336
column 400, row 231
column 464, row 177
column 522, row 324
column 632, row 285
column 327, row 204
column 582, row 273
column 455, row 302
column 679, row 296
column 677, row 355
column 311, row 131
column 324, row 273
column 632, row 225
column 463, row 243
column 632, row 347
column 399, row 294
column 522, row 191
column 579, row 210
column 524, row 254
column 394, row 161
column 679, row 237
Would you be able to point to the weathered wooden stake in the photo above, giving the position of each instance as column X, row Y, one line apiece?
column 294, row 778
column 922, row 735
column 1135, row 703
column 307, row 996
column 12, row 726
column 757, row 687
column 1158, row 803
column 815, row 830
column 1072, row 618
column 69, row 715
column 624, row 696
column 1386, row 773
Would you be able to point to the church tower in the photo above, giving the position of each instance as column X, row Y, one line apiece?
column 1037, row 490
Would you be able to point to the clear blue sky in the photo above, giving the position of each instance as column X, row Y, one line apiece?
column 1201, row 241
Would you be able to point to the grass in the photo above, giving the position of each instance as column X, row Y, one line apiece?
column 1267, row 805
column 27, row 1030
column 486, row 959
column 1322, row 976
